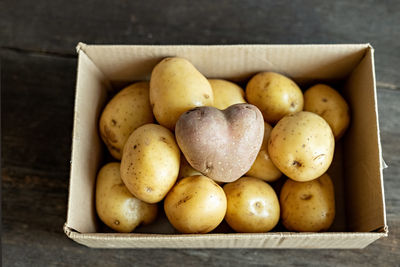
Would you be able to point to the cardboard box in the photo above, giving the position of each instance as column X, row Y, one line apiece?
column 356, row 170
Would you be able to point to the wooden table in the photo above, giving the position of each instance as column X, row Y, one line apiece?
column 38, row 71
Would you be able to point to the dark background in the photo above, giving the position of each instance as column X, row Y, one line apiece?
column 38, row 64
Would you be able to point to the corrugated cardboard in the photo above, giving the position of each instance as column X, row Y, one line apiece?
column 356, row 171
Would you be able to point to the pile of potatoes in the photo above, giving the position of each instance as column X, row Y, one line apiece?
column 208, row 150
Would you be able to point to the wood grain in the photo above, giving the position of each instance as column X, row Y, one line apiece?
column 38, row 75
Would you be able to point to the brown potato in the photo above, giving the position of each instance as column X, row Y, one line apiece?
column 116, row 206
column 308, row 206
column 226, row 93
column 221, row 145
column 330, row 105
column 253, row 206
column 301, row 145
column 126, row 111
column 175, row 87
column 275, row 95
column 150, row 163
column 195, row 204
column 263, row 167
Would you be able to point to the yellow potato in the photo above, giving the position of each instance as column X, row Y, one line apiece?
column 263, row 167
column 275, row 95
column 330, row 105
column 301, row 145
column 195, row 205
column 127, row 110
column 226, row 93
column 177, row 86
column 253, row 206
column 150, row 162
column 308, row 206
column 185, row 170
column 116, row 206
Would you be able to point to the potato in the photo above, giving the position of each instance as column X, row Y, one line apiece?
column 308, row 206
column 226, row 93
column 185, row 170
column 301, row 145
column 253, row 206
column 330, row 105
column 150, row 162
column 275, row 95
column 116, row 206
column 126, row 111
column 175, row 87
column 263, row 167
column 221, row 145
column 195, row 204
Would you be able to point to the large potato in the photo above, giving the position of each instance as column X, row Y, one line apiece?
column 252, row 205
column 175, row 87
column 308, row 206
column 301, row 145
column 275, row 95
column 330, row 105
column 263, row 167
column 126, row 111
column 150, row 162
column 223, row 144
column 226, row 93
column 195, row 204
column 116, row 206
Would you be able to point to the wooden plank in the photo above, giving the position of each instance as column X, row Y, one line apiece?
column 37, row 102
column 56, row 27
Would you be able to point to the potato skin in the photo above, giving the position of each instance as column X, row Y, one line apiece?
column 175, row 87
column 308, row 206
column 301, row 145
column 126, row 111
column 253, row 206
column 275, row 95
column 330, row 105
column 185, row 170
column 226, row 93
column 195, row 204
column 263, row 167
column 222, row 145
column 150, row 163
column 116, row 206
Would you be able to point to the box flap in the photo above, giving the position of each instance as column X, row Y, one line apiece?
column 124, row 63
column 256, row 240
column 363, row 164
column 85, row 156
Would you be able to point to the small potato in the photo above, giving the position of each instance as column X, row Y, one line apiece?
column 308, row 206
column 253, row 206
column 263, row 168
column 150, row 162
column 116, row 206
column 330, row 105
column 125, row 112
column 301, row 145
column 195, row 204
column 175, row 87
column 226, row 93
column 185, row 170
column 275, row 95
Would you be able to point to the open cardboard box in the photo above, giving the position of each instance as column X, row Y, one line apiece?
column 356, row 170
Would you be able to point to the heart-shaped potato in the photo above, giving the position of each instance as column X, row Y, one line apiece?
column 222, row 145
